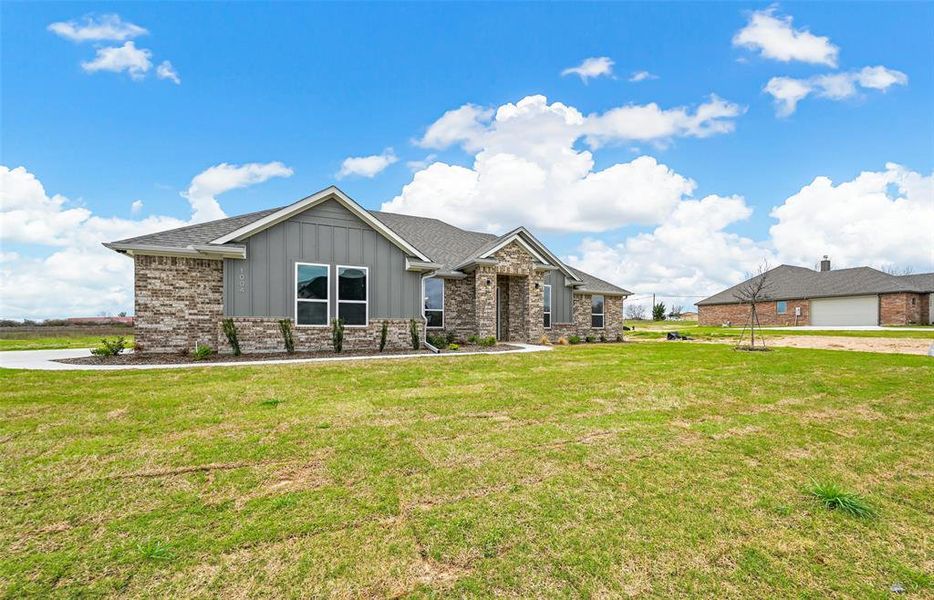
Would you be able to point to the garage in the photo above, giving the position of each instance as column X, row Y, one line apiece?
column 850, row 310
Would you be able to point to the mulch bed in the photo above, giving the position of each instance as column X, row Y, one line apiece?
column 174, row 358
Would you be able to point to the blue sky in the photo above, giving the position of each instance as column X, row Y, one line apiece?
column 310, row 85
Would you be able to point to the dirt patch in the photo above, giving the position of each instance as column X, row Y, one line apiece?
column 859, row 344
column 175, row 358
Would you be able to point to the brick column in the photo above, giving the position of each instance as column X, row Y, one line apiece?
column 485, row 300
column 535, row 326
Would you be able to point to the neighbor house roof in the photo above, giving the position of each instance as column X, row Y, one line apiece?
column 787, row 282
column 442, row 243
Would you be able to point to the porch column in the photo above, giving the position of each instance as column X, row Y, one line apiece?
column 536, row 307
column 485, row 300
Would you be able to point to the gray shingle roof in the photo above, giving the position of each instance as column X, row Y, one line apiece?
column 787, row 282
column 443, row 243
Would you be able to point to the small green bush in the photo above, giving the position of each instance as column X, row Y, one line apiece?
column 110, row 347
column 202, row 351
column 337, row 334
column 438, row 340
column 603, row 337
column 285, row 328
column 590, row 339
column 487, row 342
column 230, row 330
column 413, row 332
column 832, row 497
column 454, row 347
column 574, row 339
column 473, row 339
column 383, row 334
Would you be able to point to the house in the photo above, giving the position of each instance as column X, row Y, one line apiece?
column 825, row 297
column 326, row 257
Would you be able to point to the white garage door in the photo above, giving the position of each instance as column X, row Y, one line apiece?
column 852, row 310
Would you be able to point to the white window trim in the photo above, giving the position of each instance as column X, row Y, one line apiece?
column 551, row 301
column 337, row 305
column 424, row 316
column 602, row 315
column 326, row 301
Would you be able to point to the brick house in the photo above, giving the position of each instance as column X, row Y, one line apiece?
column 325, row 257
column 826, row 297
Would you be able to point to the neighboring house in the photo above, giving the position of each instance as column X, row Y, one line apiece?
column 687, row 315
column 325, row 257
column 844, row 297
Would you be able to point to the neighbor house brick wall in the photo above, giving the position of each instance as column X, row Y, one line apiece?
column 178, row 302
column 737, row 314
column 262, row 334
column 901, row 309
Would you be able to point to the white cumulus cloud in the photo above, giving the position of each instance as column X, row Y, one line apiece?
column 165, row 70
column 108, row 27
column 207, row 185
column 367, row 166
column 527, row 170
column 596, row 66
column 788, row 91
column 877, row 218
column 774, row 37
column 66, row 271
column 136, row 207
column 638, row 76
column 135, row 61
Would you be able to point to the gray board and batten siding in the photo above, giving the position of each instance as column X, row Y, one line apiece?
column 561, row 297
column 263, row 285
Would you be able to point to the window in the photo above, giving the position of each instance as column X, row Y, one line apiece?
column 312, row 283
column 352, row 296
column 596, row 312
column 434, row 302
column 781, row 307
column 546, row 290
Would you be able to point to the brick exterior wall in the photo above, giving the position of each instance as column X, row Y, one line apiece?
column 737, row 314
column 581, row 315
column 261, row 334
column 179, row 302
column 903, row 309
column 485, row 300
column 459, row 306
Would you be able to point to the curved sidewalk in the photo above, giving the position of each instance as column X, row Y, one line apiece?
column 44, row 360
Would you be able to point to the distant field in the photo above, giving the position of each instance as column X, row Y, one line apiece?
column 657, row 329
column 600, row 470
column 48, row 338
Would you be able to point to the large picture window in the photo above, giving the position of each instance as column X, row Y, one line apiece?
column 312, row 285
column 546, row 303
column 434, row 302
column 596, row 311
column 352, row 305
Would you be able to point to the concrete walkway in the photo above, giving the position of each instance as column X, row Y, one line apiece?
column 44, row 360
column 847, row 328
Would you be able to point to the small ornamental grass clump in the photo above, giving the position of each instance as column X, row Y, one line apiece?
column 285, row 328
column 544, row 341
column 110, row 347
column 563, row 341
column 574, row 339
column 833, row 497
column 487, row 342
column 454, row 347
column 202, row 351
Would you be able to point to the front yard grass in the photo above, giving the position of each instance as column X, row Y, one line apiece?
column 658, row 329
column 56, row 342
column 668, row 470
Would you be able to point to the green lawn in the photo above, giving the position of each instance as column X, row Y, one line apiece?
column 658, row 329
column 55, row 342
column 606, row 470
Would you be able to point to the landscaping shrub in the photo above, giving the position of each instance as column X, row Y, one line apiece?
column 487, row 342
column 438, row 340
column 562, row 341
column 451, row 337
column 473, row 339
column 285, row 328
column 544, row 341
column 619, row 337
column 230, row 330
column 202, row 351
column 658, row 312
column 832, row 497
column 574, row 339
column 383, row 334
column 603, row 337
column 413, row 331
column 110, row 347
column 454, row 347
column 590, row 339
column 337, row 334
